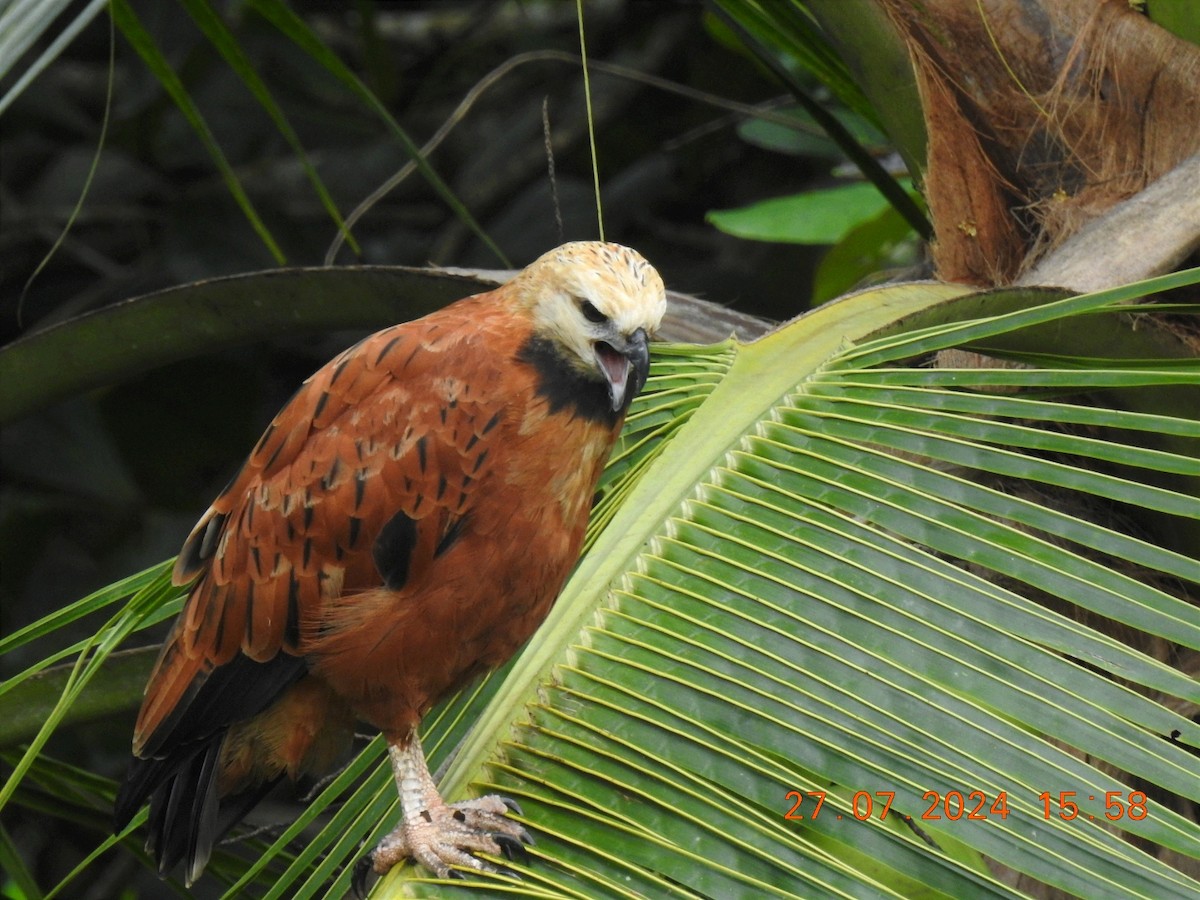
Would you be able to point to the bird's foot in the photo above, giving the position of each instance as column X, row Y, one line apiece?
column 445, row 836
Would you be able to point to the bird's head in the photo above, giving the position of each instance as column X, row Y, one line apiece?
column 594, row 306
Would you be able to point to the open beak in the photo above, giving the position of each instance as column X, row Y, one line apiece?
column 625, row 366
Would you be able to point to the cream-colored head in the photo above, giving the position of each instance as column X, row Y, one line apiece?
column 596, row 304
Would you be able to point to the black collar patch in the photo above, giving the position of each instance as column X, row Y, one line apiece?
column 564, row 387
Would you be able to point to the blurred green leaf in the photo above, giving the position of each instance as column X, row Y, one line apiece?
column 131, row 337
column 16, row 881
column 872, row 50
column 867, row 250
column 788, row 30
column 807, row 138
column 1177, row 16
column 814, row 217
column 117, row 687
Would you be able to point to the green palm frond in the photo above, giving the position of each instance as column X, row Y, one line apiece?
column 823, row 582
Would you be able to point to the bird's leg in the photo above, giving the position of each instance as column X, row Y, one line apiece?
column 438, row 834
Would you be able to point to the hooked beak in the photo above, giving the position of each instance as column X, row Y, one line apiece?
column 625, row 365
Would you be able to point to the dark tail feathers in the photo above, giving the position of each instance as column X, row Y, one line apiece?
column 186, row 816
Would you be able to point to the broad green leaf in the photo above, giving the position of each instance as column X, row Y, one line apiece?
column 873, row 246
column 814, row 217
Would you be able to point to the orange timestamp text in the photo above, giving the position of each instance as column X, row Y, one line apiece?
column 974, row 805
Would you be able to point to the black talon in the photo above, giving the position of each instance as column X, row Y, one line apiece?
column 362, row 869
column 513, row 805
column 456, row 875
column 526, row 837
column 512, row 849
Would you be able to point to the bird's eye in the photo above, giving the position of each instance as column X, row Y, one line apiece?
column 592, row 314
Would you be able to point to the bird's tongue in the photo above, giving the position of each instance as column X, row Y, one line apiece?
column 616, row 368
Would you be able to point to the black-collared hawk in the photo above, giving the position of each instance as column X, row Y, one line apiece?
column 403, row 525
